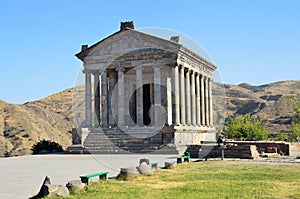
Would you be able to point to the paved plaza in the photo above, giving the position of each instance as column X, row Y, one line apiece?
column 22, row 176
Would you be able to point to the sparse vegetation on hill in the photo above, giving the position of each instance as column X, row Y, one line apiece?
column 22, row 125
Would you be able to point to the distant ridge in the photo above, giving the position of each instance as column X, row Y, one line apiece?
column 51, row 117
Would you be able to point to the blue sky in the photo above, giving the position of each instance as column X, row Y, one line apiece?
column 256, row 42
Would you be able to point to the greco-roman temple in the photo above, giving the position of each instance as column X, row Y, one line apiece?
column 144, row 94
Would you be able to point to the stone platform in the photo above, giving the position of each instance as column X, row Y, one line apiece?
column 125, row 141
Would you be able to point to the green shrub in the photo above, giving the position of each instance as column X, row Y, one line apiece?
column 46, row 146
column 245, row 126
column 281, row 137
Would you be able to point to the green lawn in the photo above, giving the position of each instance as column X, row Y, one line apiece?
column 212, row 179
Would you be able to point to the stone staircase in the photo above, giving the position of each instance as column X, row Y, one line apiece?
column 116, row 141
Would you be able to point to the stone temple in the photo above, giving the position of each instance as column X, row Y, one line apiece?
column 144, row 94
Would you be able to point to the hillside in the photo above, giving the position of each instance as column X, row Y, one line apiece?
column 23, row 125
column 51, row 118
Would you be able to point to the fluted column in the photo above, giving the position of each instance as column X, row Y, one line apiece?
column 206, row 102
column 182, row 96
column 121, row 104
column 88, row 99
column 198, row 103
column 139, row 96
column 104, row 114
column 111, row 100
column 157, row 93
column 202, row 100
column 210, row 84
column 176, row 95
column 188, row 97
column 96, row 99
column 193, row 98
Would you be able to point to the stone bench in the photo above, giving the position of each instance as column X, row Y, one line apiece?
column 102, row 176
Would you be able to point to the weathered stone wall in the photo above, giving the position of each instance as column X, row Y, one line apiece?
column 295, row 149
column 210, row 151
column 262, row 146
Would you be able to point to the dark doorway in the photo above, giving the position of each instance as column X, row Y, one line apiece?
column 146, row 104
column 132, row 107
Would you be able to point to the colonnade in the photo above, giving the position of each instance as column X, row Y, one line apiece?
column 192, row 93
column 193, row 97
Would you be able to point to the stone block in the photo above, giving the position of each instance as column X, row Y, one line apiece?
column 128, row 173
column 144, row 169
column 170, row 165
column 51, row 190
column 75, row 184
column 144, row 160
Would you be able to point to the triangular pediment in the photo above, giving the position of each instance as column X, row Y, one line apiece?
column 123, row 42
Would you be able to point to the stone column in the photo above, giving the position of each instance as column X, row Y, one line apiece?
column 96, row 99
column 193, row 98
column 198, row 103
column 88, row 99
column 182, row 96
column 111, row 99
column 139, row 97
column 206, row 102
column 176, row 95
column 210, row 84
column 188, row 97
column 104, row 99
column 157, row 92
column 121, row 103
column 202, row 100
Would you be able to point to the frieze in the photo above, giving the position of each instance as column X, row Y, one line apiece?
column 192, row 55
column 195, row 64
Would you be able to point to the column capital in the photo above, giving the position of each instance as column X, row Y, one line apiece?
column 139, row 68
column 86, row 71
column 187, row 70
column 95, row 72
column 120, row 68
column 156, row 66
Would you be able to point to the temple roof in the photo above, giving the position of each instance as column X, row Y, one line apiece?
column 144, row 41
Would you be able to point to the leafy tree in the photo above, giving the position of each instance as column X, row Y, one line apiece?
column 46, row 146
column 281, row 137
column 295, row 131
column 295, row 126
column 245, row 126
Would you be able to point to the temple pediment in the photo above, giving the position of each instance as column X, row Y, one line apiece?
column 125, row 42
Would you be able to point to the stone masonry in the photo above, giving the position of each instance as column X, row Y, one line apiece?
column 144, row 93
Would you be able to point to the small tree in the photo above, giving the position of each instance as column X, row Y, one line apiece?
column 245, row 126
column 295, row 126
column 46, row 145
column 294, row 131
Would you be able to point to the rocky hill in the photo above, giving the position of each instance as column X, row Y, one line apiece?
column 52, row 118
column 270, row 102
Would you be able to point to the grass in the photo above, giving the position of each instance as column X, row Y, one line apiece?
column 212, row 179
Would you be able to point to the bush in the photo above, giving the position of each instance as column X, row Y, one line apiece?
column 244, row 126
column 46, row 146
column 281, row 137
column 295, row 126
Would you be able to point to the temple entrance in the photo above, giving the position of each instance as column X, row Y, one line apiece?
column 146, row 103
column 147, row 93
